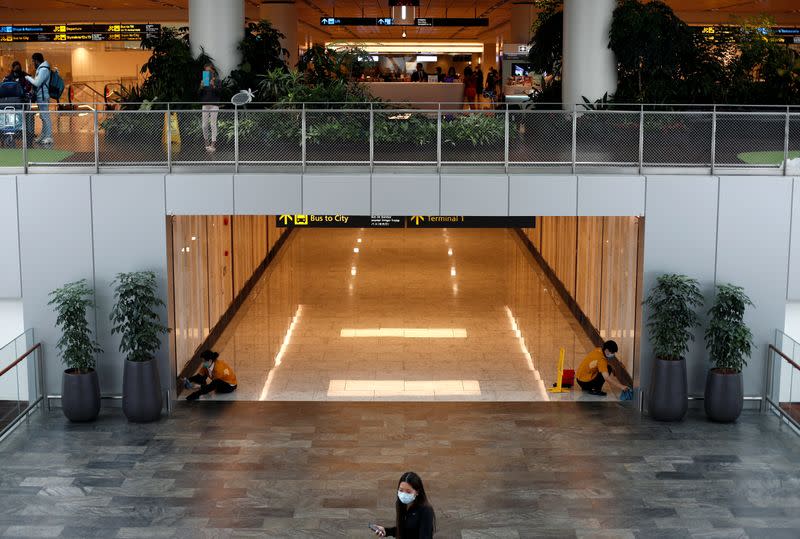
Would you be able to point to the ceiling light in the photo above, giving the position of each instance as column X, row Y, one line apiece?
column 355, row 249
column 404, row 33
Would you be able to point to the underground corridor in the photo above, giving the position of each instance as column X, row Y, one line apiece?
column 349, row 313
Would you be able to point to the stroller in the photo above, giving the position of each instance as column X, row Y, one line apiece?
column 13, row 102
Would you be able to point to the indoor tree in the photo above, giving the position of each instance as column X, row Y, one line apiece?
column 78, row 348
column 673, row 302
column 728, row 339
column 262, row 52
column 134, row 315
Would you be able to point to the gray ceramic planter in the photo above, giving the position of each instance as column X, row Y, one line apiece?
column 80, row 395
column 668, row 399
column 724, row 396
column 141, row 391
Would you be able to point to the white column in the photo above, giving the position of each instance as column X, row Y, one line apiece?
column 283, row 16
column 590, row 68
column 217, row 27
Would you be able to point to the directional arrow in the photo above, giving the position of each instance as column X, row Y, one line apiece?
column 286, row 219
column 417, row 219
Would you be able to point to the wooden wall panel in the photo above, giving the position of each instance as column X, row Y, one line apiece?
column 241, row 241
column 190, row 287
column 590, row 267
column 566, row 237
column 220, row 277
column 618, row 302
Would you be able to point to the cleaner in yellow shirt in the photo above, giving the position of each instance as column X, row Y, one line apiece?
column 223, row 379
column 594, row 371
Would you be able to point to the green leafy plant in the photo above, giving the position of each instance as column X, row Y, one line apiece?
column 672, row 303
column 173, row 73
column 597, row 105
column 261, row 53
column 70, row 302
column 476, row 129
column 134, row 314
column 728, row 339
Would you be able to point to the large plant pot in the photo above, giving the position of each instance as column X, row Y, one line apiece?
column 724, row 397
column 668, row 390
column 80, row 395
column 141, row 391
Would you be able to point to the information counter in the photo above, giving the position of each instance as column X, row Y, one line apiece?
column 450, row 95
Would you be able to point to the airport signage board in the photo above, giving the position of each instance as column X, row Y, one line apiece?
column 77, row 32
column 388, row 21
column 395, row 221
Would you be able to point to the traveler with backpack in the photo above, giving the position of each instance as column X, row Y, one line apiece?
column 42, row 83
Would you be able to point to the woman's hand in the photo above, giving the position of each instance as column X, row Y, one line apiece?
column 381, row 531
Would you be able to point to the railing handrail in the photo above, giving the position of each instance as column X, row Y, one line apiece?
column 21, row 358
column 784, row 356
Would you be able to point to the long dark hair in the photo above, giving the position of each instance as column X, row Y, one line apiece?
column 420, row 501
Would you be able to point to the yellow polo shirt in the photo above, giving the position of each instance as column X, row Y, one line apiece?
column 594, row 362
column 220, row 371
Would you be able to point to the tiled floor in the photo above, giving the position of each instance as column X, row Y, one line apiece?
column 215, row 470
column 351, row 314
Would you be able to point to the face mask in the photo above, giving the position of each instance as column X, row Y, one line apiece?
column 406, row 497
column 207, row 365
column 608, row 355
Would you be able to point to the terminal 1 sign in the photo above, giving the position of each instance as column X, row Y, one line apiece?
column 394, row 221
column 77, row 32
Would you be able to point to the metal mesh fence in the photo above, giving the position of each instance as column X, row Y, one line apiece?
column 607, row 138
column 473, row 136
column 270, row 136
column 12, row 120
column 71, row 142
column 405, row 136
column 132, row 138
column 750, row 140
column 337, row 136
column 205, row 137
column 540, row 137
column 677, row 139
column 794, row 137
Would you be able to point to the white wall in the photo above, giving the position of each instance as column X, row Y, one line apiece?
column 10, row 285
column 794, row 253
column 681, row 237
column 792, row 325
column 130, row 234
column 56, row 239
column 11, row 327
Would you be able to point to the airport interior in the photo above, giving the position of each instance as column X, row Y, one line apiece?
column 448, row 268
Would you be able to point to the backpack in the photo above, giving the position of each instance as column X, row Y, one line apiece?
column 56, row 85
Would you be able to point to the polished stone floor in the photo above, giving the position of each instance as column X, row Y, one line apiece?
column 324, row 469
column 407, row 315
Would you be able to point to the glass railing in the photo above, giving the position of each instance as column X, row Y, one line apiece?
column 21, row 381
column 631, row 138
column 782, row 391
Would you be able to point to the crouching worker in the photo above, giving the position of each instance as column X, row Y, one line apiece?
column 223, row 379
column 595, row 370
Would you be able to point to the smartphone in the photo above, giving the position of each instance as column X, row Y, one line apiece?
column 206, row 78
column 373, row 527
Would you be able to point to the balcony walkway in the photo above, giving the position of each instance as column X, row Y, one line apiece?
column 236, row 469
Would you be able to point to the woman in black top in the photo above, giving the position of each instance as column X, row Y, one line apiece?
column 415, row 516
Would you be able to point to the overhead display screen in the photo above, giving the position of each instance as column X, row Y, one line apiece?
column 78, row 32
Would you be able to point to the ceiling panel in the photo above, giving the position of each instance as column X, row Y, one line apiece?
column 498, row 11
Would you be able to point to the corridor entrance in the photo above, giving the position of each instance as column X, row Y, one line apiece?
column 465, row 314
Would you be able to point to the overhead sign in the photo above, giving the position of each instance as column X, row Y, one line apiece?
column 78, row 32
column 451, row 22
column 356, row 21
column 394, row 221
column 388, row 21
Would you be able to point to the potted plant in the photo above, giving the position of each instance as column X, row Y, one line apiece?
column 672, row 303
column 134, row 317
column 729, row 342
column 80, row 387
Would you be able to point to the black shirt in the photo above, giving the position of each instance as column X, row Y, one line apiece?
column 417, row 523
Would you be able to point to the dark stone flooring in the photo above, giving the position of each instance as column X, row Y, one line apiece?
column 275, row 469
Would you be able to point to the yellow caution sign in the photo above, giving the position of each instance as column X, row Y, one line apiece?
column 171, row 127
column 417, row 219
column 286, row 219
column 558, row 388
column 301, row 220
